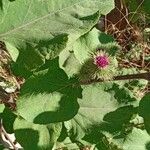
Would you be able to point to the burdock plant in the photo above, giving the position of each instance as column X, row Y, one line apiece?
column 100, row 65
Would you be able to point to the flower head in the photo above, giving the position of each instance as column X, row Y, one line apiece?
column 100, row 65
column 101, row 60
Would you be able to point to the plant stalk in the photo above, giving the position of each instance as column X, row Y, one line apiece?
column 145, row 76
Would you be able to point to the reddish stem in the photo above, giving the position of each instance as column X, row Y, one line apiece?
column 145, row 76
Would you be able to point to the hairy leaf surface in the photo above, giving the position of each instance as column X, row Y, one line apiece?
column 33, row 26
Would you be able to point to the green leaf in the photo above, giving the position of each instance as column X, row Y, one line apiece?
column 67, row 144
column 123, row 94
column 90, row 42
column 2, row 107
column 69, row 63
column 13, row 51
column 8, row 118
column 138, row 9
column 39, row 137
column 54, row 131
column 146, row 4
column 42, row 21
column 138, row 139
column 144, row 105
column 49, row 96
column 99, row 110
column 86, row 44
column 3, row 148
column 73, row 58
column 34, row 56
column 144, row 111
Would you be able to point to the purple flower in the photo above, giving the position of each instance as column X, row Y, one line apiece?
column 101, row 60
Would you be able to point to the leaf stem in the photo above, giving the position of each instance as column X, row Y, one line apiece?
column 145, row 76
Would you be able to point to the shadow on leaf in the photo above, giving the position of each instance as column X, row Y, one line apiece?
column 148, row 146
column 67, row 110
column 116, row 119
column 8, row 119
column 104, row 38
column 1, row 4
column 144, row 111
column 33, row 55
column 53, row 93
column 28, row 138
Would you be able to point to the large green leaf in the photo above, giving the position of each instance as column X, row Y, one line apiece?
column 99, row 111
column 38, row 137
column 86, row 44
column 73, row 58
column 90, row 42
column 36, row 22
column 49, row 96
column 34, row 56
